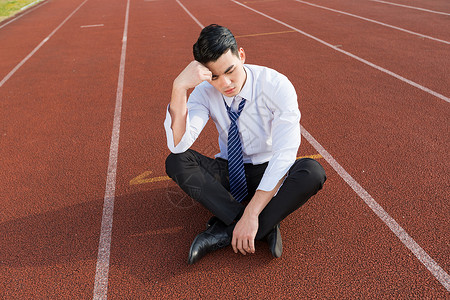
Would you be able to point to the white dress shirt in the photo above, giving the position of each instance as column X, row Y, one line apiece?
column 268, row 126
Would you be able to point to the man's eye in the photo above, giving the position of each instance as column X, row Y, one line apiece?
column 214, row 78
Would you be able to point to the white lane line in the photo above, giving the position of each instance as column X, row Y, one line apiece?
column 189, row 13
column 404, row 237
column 376, row 22
column 25, row 13
column 31, row 4
column 11, row 73
column 104, row 246
column 413, row 7
column 90, row 26
column 410, row 82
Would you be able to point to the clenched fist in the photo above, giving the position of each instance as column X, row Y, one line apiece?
column 194, row 74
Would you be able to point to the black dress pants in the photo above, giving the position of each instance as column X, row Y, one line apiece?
column 206, row 180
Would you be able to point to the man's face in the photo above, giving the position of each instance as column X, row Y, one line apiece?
column 228, row 74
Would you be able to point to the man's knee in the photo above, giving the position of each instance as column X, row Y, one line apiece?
column 175, row 161
column 171, row 161
column 318, row 171
column 311, row 169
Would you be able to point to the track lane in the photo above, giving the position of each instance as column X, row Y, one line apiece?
column 430, row 24
column 421, row 35
column 54, row 143
column 22, row 36
column 440, row 5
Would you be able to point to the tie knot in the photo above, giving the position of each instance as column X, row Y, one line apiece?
column 232, row 114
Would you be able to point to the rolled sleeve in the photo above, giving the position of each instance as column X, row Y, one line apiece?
column 184, row 144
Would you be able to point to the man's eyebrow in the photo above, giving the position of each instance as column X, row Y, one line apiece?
column 229, row 68
column 226, row 71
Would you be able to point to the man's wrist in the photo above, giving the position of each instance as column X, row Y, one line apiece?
column 179, row 86
column 258, row 202
column 254, row 207
column 250, row 214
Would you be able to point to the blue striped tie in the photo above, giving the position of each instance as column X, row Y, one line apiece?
column 236, row 171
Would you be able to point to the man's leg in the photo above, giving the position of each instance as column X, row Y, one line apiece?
column 205, row 180
column 305, row 178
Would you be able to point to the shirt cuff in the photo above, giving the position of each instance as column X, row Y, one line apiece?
column 278, row 167
column 182, row 145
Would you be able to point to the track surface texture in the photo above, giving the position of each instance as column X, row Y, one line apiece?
column 76, row 75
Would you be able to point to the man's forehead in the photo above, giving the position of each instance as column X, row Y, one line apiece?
column 223, row 64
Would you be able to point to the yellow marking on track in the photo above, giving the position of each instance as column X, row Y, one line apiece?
column 314, row 156
column 143, row 178
column 265, row 33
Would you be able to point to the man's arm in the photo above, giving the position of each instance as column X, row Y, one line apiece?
column 246, row 228
column 194, row 74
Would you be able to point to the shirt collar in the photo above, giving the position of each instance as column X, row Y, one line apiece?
column 246, row 91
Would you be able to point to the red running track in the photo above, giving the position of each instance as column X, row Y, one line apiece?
column 57, row 113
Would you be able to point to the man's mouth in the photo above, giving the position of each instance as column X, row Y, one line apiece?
column 229, row 91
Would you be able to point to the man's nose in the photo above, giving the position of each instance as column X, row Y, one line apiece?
column 225, row 81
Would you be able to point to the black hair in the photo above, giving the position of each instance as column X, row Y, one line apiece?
column 214, row 40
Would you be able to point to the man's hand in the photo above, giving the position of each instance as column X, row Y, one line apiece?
column 194, row 74
column 244, row 234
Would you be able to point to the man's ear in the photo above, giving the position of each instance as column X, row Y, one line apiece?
column 242, row 55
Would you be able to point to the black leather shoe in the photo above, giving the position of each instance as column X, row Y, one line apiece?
column 275, row 243
column 213, row 238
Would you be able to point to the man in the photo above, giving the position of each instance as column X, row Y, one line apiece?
column 256, row 113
